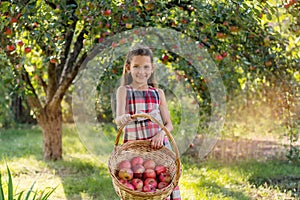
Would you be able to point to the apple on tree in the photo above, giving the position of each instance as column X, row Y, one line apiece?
column 27, row 50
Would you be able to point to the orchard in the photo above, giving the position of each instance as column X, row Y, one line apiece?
column 44, row 44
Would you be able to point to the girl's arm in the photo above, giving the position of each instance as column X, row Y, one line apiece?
column 158, row 139
column 121, row 116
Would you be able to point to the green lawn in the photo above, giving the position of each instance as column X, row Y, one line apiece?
column 81, row 176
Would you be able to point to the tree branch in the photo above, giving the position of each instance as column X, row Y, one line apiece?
column 70, row 29
column 61, row 90
column 74, row 55
column 33, row 98
column 52, row 82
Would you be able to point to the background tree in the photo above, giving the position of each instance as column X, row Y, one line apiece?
column 46, row 42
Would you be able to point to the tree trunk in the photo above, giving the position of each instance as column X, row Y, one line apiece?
column 51, row 124
column 21, row 110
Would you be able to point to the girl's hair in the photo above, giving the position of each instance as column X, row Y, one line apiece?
column 137, row 50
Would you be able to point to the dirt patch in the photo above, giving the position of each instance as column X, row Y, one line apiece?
column 243, row 149
column 228, row 150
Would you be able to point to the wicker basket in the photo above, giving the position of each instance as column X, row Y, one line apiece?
column 142, row 148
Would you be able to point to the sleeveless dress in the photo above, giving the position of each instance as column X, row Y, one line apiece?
column 145, row 101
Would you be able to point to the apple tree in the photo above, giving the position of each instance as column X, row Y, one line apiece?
column 46, row 42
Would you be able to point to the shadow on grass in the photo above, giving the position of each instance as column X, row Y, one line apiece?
column 83, row 180
column 281, row 174
column 266, row 178
column 80, row 178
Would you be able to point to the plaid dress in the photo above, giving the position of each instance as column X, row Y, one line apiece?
column 145, row 101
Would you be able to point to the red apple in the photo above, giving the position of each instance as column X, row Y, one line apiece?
column 125, row 174
column 148, row 188
column 124, row 164
column 162, row 185
column 114, row 45
column 130, row 186
column 20, row 43
column 224, row 54
column 53, row 60
column 136, row 160
column 150, row 181
column 137, row 183
column 8, row 31
column 219, row 57
column 149, row 164
column 165, row 177
column 221, row 35
column 123, row 181
column 13, row 20
column 27, row 50
column 159, row 169
column 138, row 171
column 149, row 173
column 106, row 13
column 10, row 47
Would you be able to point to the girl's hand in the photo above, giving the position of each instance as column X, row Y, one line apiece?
column 123, row 119
column 157, row 141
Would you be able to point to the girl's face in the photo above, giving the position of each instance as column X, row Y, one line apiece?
column 141, row 69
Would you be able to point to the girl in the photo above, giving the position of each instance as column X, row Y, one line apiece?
column 138, row 93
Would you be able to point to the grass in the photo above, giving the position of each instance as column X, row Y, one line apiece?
column 81, row 175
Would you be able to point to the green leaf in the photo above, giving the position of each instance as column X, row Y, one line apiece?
column 1, row 190
column 10, row 185
column 47, row 195
column 29, row 191
column 20, row 195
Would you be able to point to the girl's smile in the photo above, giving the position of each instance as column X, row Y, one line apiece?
column 141, row 69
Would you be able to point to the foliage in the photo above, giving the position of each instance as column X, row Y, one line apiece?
column 10, row 194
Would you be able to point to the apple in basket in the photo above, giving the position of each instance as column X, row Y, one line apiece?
column 150, row 181
column 138, row 171
column 148, row 188
column 136, row 160
column 124, row 164
column 149, row 164
column 165, row 177
column 122, row 181
column 160, row 169
column 125, row 174
column 129, row 185
column 149, row 173
column 137, row 184
column 162, row 185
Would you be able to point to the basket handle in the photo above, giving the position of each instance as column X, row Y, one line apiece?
column 172, row 141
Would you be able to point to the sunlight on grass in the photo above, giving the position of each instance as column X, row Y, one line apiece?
column 81, row 175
